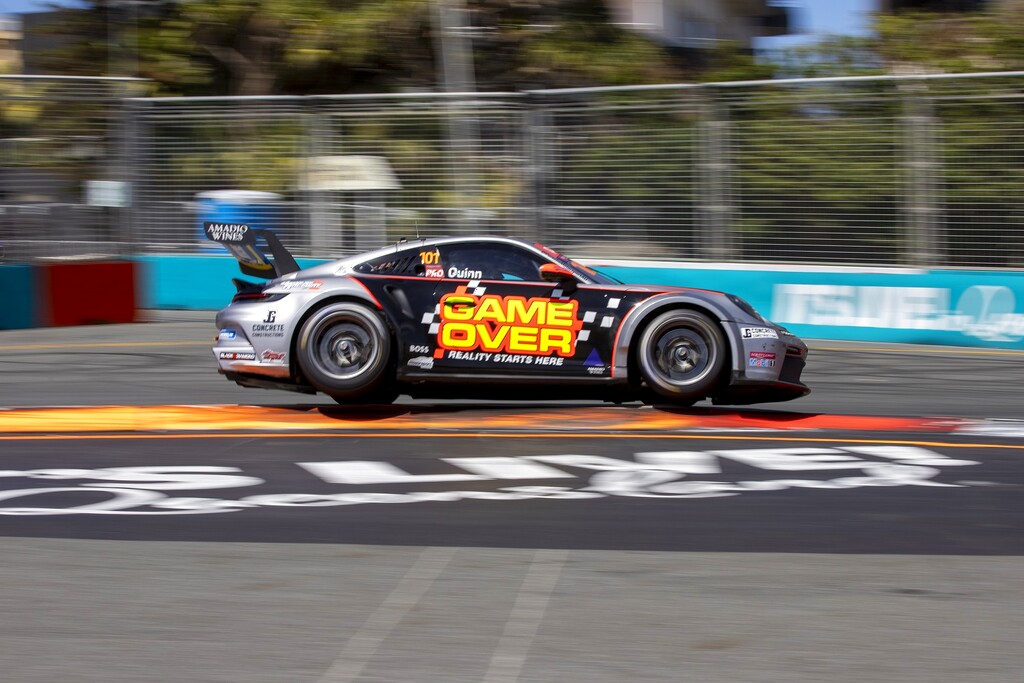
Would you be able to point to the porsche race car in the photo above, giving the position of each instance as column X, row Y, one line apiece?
column 489, row 317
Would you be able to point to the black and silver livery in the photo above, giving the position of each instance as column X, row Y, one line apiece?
column 490, row 316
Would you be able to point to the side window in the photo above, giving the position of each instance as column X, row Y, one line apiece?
column 410, row 263
column 490, row 262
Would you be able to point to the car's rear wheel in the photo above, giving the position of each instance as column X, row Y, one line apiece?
column 384, row 394
column 344, row 350
column 681, row 354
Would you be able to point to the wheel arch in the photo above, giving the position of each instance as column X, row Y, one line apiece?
column 321, row 302
column 637, row 320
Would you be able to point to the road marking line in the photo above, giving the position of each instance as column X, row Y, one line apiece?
column 527, row 614
column 102, row 345
column 491, row 435
column 361, row 647
column 114, row 419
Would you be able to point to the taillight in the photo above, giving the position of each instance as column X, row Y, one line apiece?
column 253, row 297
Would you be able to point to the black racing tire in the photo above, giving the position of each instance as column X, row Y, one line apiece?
column 383, row 394
column 344, row 350
column 681, row 355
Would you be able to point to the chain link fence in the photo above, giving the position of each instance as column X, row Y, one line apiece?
column 58, row 137
column 882, row 171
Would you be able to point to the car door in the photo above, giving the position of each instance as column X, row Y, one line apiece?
column 495, row 316
column 403, row 283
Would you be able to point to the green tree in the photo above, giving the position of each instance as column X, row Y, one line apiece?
column 266, row 47
column 263, row 47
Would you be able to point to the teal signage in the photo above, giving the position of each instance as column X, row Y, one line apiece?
column 963, row 308
column 17, row 282
column 951, row 307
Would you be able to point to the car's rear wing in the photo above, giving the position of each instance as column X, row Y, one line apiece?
column 249, row 246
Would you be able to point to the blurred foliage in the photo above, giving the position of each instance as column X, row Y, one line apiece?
column 805, row 163
column 826, row 161
column 267, row 47
column 271, row 47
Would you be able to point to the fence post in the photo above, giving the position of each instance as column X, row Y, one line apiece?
column 464, row 161
column 715, row 201
column 537, row 121
column 319, row 212
column 132, row 168
column 921, row 202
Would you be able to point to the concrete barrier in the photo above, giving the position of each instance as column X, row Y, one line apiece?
column 19, row 291
column 85, row 293
column 899, row 305
column 192, row 282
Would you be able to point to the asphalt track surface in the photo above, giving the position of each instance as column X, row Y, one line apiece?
column 871, row 531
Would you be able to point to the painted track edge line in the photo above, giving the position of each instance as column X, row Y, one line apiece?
column 520, row 435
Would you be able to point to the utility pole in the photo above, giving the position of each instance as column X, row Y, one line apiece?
column 455, row 55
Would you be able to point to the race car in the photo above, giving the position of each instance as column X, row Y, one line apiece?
column 489, row 317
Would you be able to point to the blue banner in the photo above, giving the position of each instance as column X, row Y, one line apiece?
column 17, row 282
column 951, row 307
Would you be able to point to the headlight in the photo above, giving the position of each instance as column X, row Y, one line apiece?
column 746, row 308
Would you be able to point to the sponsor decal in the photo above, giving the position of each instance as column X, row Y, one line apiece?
column 480, row 357
column 273, row 356
column 761, row 359
column 265, row 330
column 422, row 362
column 237, row 355
column 306, row 285
column 226, row 335
column 759, row 333
column 513, row 325
column 268, row 328
column 665, row 475
column 464, row 273
column 226, row 232
column 985, row 312
column 594, row 364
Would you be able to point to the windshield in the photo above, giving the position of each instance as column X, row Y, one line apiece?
column 586, row 272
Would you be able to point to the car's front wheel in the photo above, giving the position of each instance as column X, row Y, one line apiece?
column 681, row 354
column 344, row 350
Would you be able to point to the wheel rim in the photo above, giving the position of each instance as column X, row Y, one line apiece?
column 682, row 355
column 345, row 347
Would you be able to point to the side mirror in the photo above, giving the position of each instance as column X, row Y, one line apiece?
column 551, row 272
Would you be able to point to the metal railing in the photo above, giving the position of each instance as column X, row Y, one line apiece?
column 58, row 134
column 879, row 170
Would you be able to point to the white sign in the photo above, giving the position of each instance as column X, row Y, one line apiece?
column 112, row 193
column 987, row 312
column 354, row 173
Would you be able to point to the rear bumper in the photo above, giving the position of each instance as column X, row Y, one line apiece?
column 267, row 382
column 242, row 358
